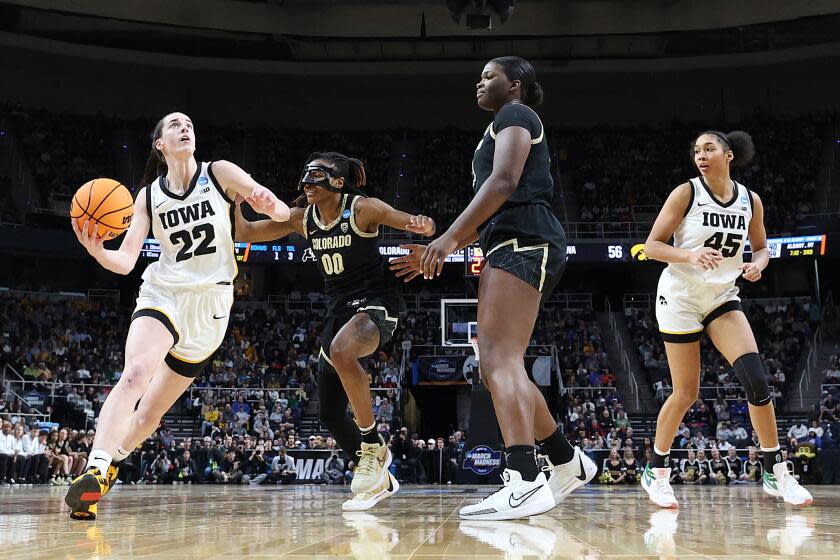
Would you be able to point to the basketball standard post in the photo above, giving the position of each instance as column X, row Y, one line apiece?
column 481, row 461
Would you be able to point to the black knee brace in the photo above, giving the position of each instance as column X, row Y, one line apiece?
column 750, row 372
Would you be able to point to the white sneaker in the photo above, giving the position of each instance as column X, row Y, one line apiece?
column 659, row 539
column 516, row 499
column 565, row 479
column 657, row 484
column 516, row 540
column 374, row 460
column 367, row 500
column 787, row 488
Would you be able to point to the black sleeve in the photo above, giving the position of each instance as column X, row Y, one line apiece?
column 516, row 114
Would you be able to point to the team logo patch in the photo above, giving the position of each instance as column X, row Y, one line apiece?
column 346, row 214
column 662, row 300
column 482, row 460
column 202, row 181
column 205, row 190
column 344, row 226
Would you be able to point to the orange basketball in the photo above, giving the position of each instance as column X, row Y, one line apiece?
column 104, row 201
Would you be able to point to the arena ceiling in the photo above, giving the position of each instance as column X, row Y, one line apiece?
column 393, row 30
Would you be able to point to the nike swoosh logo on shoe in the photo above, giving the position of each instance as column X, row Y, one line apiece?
column 516, row 501
column 582, row 475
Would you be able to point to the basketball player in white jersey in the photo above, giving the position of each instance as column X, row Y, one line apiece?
column 710, row 218
column 185, row 299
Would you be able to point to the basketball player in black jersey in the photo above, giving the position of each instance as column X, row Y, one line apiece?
column 525, row 247
column 364, row 302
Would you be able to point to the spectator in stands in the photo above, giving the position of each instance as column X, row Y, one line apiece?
column 735, row 463
column 333, row 470
column 630, row 466
column 211, row 416
column 798, row 430
column 256, row 467
column 229, row 471
column 753, row 467
column 183, row 470
column 283, row 468
column 158, row 469
column 613, row 472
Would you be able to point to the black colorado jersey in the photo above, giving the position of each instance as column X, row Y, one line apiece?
column 535, row 185
column 348, row 258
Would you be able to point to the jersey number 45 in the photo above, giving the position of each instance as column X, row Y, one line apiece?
column 729, row 246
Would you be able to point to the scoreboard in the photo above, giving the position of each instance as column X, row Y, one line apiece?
column 291, row 252
column 297, row 251
column 627, row 251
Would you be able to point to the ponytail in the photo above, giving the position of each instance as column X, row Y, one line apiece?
column 738, row 141
column 155, row 163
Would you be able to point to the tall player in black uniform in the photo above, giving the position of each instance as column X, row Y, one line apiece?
column 364, row 301
column 525, row 248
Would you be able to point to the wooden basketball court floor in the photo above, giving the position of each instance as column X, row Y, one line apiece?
column 306, row 522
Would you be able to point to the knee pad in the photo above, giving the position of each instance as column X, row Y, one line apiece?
column 750, row 372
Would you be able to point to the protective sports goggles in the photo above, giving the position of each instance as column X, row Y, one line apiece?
column 318, row 175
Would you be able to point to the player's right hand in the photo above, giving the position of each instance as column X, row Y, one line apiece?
column 408, row 266
column 88, row 237
column 706, row 258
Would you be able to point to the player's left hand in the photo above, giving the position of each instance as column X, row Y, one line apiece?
column 750, row 272
column 423, row 225
column 408, row 266
column 435, row 255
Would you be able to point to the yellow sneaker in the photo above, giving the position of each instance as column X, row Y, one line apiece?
column 374, row 460
column 86, row 490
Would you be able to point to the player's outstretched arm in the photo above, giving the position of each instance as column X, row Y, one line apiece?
column 122, row 260
column 669, row 218
column 267, row 230
column 371, row 212
column 235, row 181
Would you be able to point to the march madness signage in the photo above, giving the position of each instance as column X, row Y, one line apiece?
column 309, row 464
column 482, row 460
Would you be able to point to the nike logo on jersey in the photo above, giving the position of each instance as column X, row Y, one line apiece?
column 704, row 204
column 582, row 475
column 222, row 317
column 516, row 501
column 159, row 205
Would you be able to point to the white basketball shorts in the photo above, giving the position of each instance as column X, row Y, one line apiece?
column 685, row 307
column 197, row 318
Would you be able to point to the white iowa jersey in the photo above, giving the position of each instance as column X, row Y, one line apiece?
column 711, row 223
column 195, row 232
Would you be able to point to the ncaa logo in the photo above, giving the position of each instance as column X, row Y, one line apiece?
column 202, row 181
column 346, row 214
column 344, row 227
column 744, row 200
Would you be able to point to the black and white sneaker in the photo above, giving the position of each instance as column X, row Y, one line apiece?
column 565, row 479
column 516, row 499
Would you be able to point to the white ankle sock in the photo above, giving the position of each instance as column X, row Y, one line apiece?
column 99, row 459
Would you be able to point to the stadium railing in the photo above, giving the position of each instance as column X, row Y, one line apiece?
column 625, row 359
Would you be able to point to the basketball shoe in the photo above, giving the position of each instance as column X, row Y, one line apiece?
column 515, row 539
column 565, row 479
column 657, row 484
column 516, row 499
column 86, row 490
column 781, row 484
column 374, row 460
column 366, row 500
